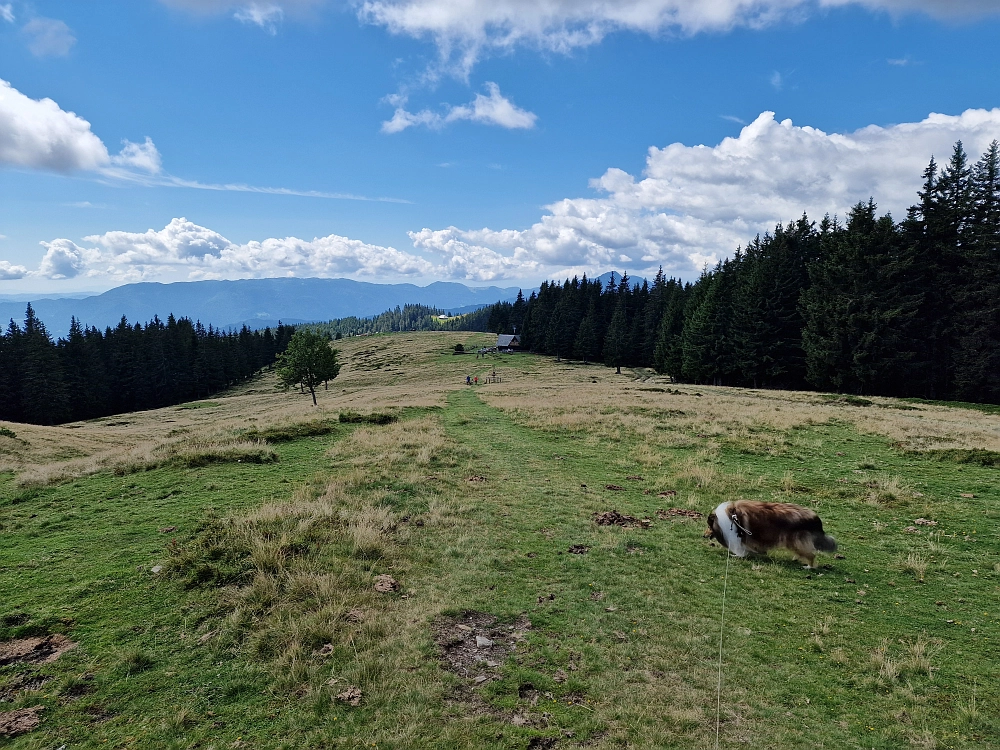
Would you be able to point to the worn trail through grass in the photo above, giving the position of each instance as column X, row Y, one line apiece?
column 482, row 500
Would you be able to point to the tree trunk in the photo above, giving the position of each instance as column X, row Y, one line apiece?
column 313, row 392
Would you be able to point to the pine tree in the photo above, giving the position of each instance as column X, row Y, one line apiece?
column 587, row 345
column 616, row 338
column 42, row 391
column 858, row 311
column 977, row 356
column 706, row 349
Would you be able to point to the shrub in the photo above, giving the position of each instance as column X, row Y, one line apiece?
column 288, row 433
column 352, row 417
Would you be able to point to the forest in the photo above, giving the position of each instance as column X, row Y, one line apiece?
column 406, row 318
column 862, row 305
column 93, row 374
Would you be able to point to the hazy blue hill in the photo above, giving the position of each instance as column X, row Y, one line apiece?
column 253, row 301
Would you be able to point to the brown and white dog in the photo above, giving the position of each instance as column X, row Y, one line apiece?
column 745, row 526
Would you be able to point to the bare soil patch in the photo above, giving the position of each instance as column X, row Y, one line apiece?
column 22, row 683
column 614, row 518
column 13, row 723
column 474, row 644
column 678, row 513
column 35, row 650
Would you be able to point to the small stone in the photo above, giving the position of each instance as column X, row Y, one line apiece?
column 492, row 664
column 156, row 569
column 351, row 696
column 466, row 628
column 480, row 679
column 483, row 642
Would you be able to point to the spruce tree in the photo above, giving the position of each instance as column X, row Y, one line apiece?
column 616, row 338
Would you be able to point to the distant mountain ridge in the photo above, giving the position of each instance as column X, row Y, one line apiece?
column 256, row 302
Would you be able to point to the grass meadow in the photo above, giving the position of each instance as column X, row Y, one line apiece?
column 425, row 570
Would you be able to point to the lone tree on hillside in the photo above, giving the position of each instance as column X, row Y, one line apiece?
column 308, row 361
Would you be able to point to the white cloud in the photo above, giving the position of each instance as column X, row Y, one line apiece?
column 183, row 248
column 776, row 80
column 696, row 204
column 142, row 156
column 48, row 37
column 269, row 11
column 265, row 15
column 463, row 30
column 7, row 12
column 9, row 272
column 494, row 109
column 63, row 259
column 38, row 134
column 691, row 206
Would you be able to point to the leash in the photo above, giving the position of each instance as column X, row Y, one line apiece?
column 722, row 630
column 734, row 521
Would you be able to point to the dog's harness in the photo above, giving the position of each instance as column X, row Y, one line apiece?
column 741, row 532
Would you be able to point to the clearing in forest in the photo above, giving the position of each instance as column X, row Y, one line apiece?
column 417, row 563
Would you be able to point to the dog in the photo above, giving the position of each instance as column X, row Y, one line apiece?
column 747, row 526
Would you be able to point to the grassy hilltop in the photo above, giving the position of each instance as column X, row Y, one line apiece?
column 444, row 571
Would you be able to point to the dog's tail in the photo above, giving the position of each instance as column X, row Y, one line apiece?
column 825, row 543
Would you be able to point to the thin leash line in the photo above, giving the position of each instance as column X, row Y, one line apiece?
column 722, row 630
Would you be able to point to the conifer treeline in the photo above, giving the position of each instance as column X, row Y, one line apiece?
column 406, row 318
column 127, row 368
column 867, row 306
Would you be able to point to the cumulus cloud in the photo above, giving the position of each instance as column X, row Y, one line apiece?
column 183, row 248
column 265, row 15
column 8, row 271
column 7, row 12
column 62, row 260
column 691, row 206
column 491, row 109
column 39, row 134
column 695, row 204
column 48, row 37
column 36, row 133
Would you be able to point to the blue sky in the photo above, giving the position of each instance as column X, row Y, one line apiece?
column 527, row 147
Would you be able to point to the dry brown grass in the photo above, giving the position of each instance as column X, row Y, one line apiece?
column 568, row 398
column 410, row 376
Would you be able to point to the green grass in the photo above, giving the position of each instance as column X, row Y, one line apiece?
column 895, row 645
column 77, row 559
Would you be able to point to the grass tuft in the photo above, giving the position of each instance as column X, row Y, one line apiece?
column 135, row 660
column 377, row 418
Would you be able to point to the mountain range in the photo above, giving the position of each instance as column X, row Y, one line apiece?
column 255, row 302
